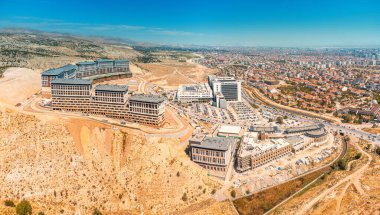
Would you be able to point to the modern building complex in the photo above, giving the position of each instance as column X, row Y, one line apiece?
column 108, row 100
column 101, row 67
column 220, row 90
column 213, row 153
column 86, row 69
column 194, row 93
column 146, row 109
column 66, row 72
column 229, row 87
column 254, row 153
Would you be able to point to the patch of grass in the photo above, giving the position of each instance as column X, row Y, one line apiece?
column 263, row 201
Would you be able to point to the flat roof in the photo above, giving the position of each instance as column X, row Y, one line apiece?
column 294, row 139
column 71, row 81
column 232, row 129
column 86, row 63
column 58, row 71
column 111, row 87
column 121, row 61
column 216, row 143
column 147, row 98
column 305, row 128
column 101, row 60
column 264, row 129
column 316, row 133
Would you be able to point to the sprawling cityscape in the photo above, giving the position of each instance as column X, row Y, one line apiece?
column 133, row 119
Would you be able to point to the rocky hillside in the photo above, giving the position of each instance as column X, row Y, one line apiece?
column 41, row 51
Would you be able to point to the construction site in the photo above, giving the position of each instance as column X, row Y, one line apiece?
column 202, row 157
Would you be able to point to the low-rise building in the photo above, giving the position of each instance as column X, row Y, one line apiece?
column 229, row 131
column 301, row 130
column 317, row 136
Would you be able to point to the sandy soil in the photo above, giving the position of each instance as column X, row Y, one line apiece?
column 358, row 194
column 170, row 75
column 19, row 84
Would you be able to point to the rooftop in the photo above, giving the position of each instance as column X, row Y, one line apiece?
column 294, row 139
column 232, row 129
column 216, row 143
column 101, row 60
column 316, row 133
column 86, row 63
column 109, row 87
column 59, row 70
column 264, row 129
column 71, row 81
column 304, row 128
column 147, row 98
column 121, row 61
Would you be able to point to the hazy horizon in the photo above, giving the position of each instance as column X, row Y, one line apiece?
column 214, row 23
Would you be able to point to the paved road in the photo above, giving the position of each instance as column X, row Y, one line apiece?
column 344, row 128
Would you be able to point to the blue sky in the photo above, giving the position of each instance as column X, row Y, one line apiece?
column 286, row 23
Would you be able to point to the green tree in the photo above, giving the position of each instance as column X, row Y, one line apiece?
column 24, row 208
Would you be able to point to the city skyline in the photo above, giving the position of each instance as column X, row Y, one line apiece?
column 214, row 23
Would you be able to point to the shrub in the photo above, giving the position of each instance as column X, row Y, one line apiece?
column 184, row 197
column 177, row 174
column 213, row 191
column 9, row 203
column 41, row 213
column 233, row 193
column 358, row 155
column 378, row 150
column 96, row 212
column 24, row 208
column 342, row 164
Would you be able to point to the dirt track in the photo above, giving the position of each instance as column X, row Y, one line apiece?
column 351, row 179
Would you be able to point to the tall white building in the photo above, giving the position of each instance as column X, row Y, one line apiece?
column 227, row 87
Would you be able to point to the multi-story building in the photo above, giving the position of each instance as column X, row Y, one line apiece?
column 213, row 153
column 109, row 100
column 254, row 153
column 105, row 66
column 228, row 86
column 121, row 66
column 194, row 93
column 85, row 69
column 71, row 95
column 147, row 109
column 67, row 71
column 93, row 69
